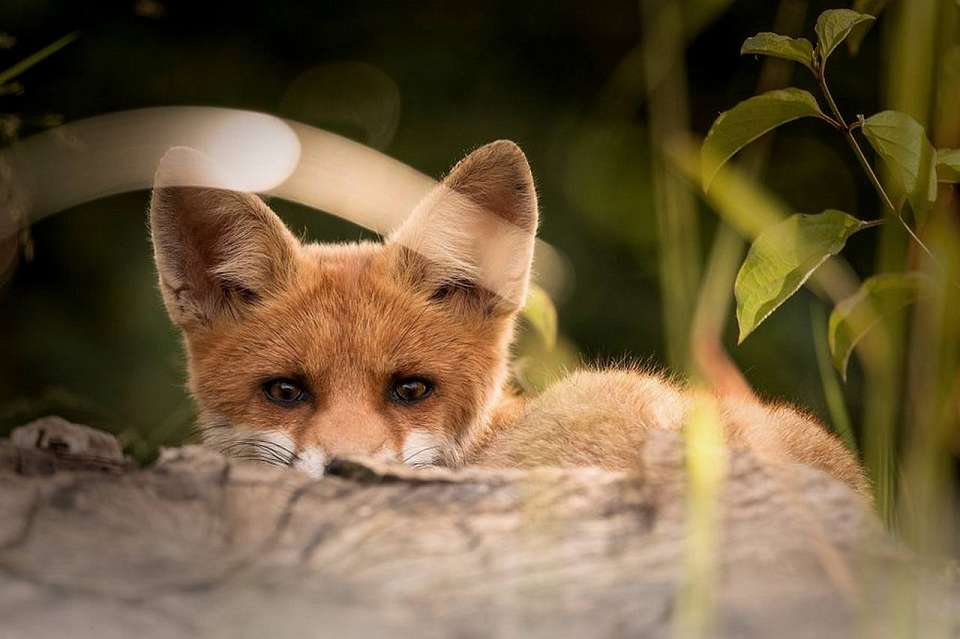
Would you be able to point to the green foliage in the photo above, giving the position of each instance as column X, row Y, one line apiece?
column 541, row 314
column 786, row 254
column 780, row 46
column 744, row 123
column 855, row 316
column 903, row 145
column 833, row 27
column 859, row 32
column 783, row 257
column 948, row 166
column 832, row 389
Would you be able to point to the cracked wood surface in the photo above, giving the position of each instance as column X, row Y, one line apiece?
column 198, row 545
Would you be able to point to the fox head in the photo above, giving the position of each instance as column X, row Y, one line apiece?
column 298, row 352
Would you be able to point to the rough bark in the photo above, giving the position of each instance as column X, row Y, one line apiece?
column 199, row 545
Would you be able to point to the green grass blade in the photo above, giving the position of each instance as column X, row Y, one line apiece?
column 832, row 392
column 37, row 57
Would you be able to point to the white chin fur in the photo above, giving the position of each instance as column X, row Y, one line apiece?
column 281, row 440
column 273, row 447
column 311, row 461
column 421, row 448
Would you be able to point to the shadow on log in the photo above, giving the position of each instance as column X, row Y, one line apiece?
column 198, row 545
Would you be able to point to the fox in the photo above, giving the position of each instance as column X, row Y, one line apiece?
column 400, row 349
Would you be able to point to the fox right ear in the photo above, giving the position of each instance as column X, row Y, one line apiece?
column 476, row 229
column 217, row 251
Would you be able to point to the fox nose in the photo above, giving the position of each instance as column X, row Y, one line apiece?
column 343, row 429
column 313, row 460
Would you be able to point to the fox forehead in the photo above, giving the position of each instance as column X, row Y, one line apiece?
column 345, row 312
column 343, row 262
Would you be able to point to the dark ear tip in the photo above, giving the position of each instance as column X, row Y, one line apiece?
column 497, row 175
column 504, row 146
column 506, row 150
column 501, row 159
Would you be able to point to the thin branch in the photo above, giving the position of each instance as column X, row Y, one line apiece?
column 839, row 126
column 848, row 133
column 862, row 158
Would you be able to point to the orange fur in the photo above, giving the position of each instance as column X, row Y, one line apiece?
column 438, row 300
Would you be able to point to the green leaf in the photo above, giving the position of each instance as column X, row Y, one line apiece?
column 744, row 123
column 879, row 297
column 540, row 312
column 780, row 46
column 948, row 165
column 783, row 257
column 859, row 32
column 905, row 149
column 833, row 27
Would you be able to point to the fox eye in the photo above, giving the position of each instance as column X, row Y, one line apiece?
column 284, row 392
column 408, row 390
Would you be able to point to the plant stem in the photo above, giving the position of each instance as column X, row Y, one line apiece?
column 871, row 174
column 848, row 133
column 839, row 126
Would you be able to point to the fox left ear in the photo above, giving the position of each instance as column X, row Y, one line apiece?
column 217, row 251
column 475, row 231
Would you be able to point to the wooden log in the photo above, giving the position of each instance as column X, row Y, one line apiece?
column 199, row 545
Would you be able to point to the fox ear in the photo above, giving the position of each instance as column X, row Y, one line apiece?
column 217, row 251
column 475, row 231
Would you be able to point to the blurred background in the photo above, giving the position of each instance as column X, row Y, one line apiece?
column 586, row 89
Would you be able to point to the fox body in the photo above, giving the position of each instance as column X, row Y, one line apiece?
column 400, row 350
